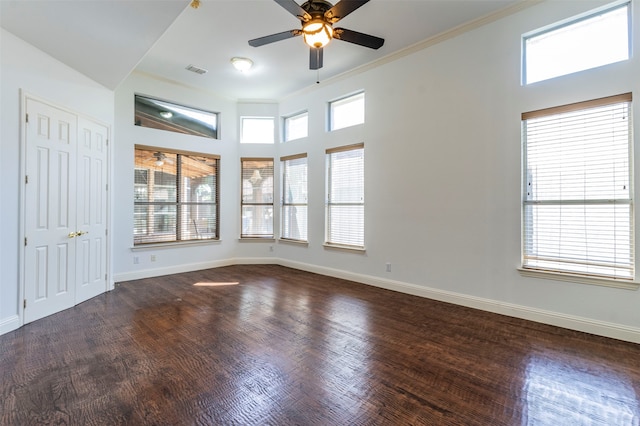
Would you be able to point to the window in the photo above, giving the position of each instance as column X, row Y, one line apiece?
column 257, row 198
column 577, row 199
column 164, row 115
column 257, row 130
column 346, row 112
column 596, row 39
column 296, row 126
column 294, row 197
column 345, row 196
column 175, row 196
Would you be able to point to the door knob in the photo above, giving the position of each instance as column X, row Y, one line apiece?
column 72, row 234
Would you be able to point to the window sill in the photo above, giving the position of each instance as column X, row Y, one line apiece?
column 582, row 279
column 257, row 239
column 173, row 244
column 346, row 248
column 294, row 242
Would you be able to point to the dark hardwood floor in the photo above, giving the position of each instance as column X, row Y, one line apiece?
column 284, row 347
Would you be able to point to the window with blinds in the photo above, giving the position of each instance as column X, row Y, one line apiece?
column 175, row 196
column 294, row 197
column 345, row 196
column 257, row 198
column 577, row 196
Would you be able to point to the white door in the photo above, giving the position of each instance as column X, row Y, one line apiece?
column 91, row 217
column 65, row 210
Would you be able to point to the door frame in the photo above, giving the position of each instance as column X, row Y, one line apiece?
column 24, row 95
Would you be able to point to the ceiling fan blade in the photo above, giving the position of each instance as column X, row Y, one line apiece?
column 261, row 41
column 362, row 39
column 315, row 58
column 342, row 9
column 294, row 9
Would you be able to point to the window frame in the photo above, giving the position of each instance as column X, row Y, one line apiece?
column 285, row 127
column 149, row 112
column 284, row 204
column 576, row 20
column 329, row 203
column 179, row 226
column 243, row 204
column 272, row 138
column 588, row 277
column 341, row 101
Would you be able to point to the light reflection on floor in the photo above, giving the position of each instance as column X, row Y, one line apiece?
column 560, row 393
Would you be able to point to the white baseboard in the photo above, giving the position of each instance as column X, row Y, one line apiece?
column 157, row 272
column 9, row 324
column 601, row 328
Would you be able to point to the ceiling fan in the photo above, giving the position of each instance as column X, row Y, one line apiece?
column 318, row 17
column 160, row 159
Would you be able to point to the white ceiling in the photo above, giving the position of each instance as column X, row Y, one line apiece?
column 107, row 39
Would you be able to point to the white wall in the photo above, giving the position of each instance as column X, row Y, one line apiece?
column 172, row 259
column 443, row 178
column 23, row 67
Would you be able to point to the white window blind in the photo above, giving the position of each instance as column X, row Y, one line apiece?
column 294, row 197
column 577, row 196
column 175, row 196
column 345, row 196
column 257, row 198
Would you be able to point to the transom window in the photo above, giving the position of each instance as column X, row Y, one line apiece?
column 294, row 197
column 592, row 40
column 345, row 196
column 257, row 130
column 257, row 198
column 175, row 196
column 346, row 112
column 577, row 200
column 296, row 126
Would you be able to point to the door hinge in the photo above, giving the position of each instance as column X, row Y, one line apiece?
column 27, row 118
column 25, row 241
column 26, row 179
column 106, row 187
column 106, row 232
column 24, row 304
column 105, row 277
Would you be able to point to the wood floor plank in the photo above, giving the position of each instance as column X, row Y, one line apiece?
column 287, row 347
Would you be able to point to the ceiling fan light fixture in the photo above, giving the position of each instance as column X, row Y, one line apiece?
column 242, row 64
column 317, row 33
column 159, row 163
column 166, row 114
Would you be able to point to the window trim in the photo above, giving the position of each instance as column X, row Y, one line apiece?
column 178, row 203
column 577, row 277
column 282, row 199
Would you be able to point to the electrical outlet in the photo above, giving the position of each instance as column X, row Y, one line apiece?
column 136, row 260
column 388, row 267
column 153, row 257
column 270, row 248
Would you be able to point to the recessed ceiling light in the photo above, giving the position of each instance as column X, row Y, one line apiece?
column 242, row 64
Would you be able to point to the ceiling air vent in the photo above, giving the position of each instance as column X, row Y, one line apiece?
column 196, row 69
